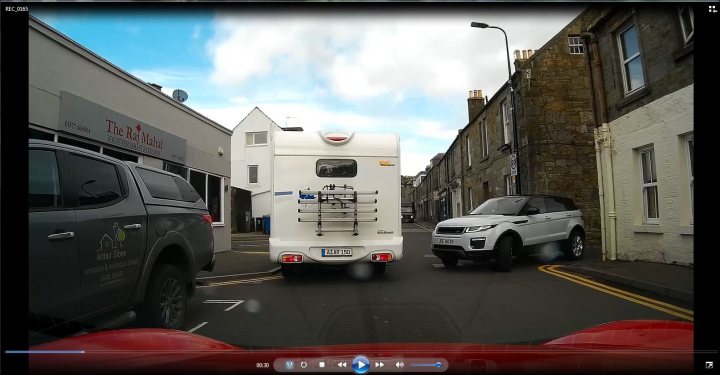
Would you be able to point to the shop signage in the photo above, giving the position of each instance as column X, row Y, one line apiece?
column 84, row 118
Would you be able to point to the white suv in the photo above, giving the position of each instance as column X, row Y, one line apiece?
column 510, row 225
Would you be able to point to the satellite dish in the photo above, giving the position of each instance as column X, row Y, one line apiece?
column 180, row 95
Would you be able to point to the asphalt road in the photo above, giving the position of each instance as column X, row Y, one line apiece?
column 417, row 300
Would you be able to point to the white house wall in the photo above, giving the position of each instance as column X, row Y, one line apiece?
column 663, row 123
column 255, row 121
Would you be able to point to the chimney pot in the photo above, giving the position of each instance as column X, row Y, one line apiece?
column 470, row 93
column 530, row 53
column 517, row 54
column 524, row 54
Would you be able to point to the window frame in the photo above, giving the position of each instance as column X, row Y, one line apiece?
column 56, row 135
column 254, row 142
column 691, row 175
column 687, row 38
column 645, row 186
column 355, row 164
column 469, row 150
column 509, row 185
column 505, row 106
column 257, row 174
column 484, row 143
column 204, row 196
column 575, row 44
column 470, row 199
column 625, row 61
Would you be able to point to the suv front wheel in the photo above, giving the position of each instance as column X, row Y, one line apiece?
column 575, row 245
column 504, row 254
column 449, row 261
column 166, row 298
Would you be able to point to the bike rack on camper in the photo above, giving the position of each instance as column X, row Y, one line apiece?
column 335, row 204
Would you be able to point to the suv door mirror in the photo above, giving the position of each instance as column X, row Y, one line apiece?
column 532, row 211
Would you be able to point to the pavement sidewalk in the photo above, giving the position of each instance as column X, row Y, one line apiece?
column 664, row 279
column 248, row 257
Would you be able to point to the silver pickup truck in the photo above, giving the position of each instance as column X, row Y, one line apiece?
column 109, row 238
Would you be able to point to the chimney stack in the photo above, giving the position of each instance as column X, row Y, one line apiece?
column 156, row 86
column 476, row 103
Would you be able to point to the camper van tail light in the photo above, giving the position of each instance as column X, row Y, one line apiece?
column 336, row 139
column 381, row 257
column 291, row 258
column 207, row 219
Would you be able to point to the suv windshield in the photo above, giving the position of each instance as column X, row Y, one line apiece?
column 500, row 206
column 407, row 210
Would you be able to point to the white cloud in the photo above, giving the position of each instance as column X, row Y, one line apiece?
column 364, row 56
column 413, row 162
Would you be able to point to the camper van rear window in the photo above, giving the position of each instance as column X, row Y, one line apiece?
column 336, row 168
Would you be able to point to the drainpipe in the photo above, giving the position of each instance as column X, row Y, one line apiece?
column 603, row 145
column 601, row 196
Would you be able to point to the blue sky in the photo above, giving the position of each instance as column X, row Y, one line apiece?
column 407, row 73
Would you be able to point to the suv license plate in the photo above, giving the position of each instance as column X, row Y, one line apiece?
column 337, row 252
column 447, row 241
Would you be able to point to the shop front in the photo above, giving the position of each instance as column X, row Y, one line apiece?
column 78, row 98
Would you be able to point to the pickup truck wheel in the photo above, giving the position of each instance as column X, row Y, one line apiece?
column 449, row 261
column 504, row 251
column 166, row 298
column 575, row 245
column 379, row 268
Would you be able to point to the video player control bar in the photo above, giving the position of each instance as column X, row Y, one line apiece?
column 360, row 364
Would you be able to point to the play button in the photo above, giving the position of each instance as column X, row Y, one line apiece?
column 360, row 364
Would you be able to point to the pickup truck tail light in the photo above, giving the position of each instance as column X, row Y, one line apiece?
column 207, row 219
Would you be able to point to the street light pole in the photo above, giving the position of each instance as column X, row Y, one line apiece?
column 512, row 103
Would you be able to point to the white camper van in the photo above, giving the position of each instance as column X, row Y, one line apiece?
column 336, row 199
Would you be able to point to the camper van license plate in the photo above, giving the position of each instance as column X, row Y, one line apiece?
column 336, row 252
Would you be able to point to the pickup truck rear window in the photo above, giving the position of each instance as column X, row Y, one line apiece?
column 336, row 168
column 165, row 186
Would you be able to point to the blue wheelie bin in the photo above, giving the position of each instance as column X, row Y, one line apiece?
column 266, row 224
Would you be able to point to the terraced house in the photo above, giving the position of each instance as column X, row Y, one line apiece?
column 555, row 134
column 642, row 68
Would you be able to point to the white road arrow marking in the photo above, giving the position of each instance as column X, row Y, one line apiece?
column 198, row 327
column 234, row 302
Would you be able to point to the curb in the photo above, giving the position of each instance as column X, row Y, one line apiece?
column 663, row 290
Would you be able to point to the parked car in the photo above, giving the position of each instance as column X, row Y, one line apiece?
column 109, row 238
column 408, row 213
column 512, row 225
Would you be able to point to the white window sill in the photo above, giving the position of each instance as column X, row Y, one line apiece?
column 686, row 229
column 648, row 228
column 218, row 225
column 257, row 145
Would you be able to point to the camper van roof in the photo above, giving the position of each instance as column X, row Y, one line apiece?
column 311, row 143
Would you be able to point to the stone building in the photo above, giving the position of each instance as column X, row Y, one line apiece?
column 643, row 97
column 555, row 133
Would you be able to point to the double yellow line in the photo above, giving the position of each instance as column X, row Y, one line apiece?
column 642, row 300
column 255, row 280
